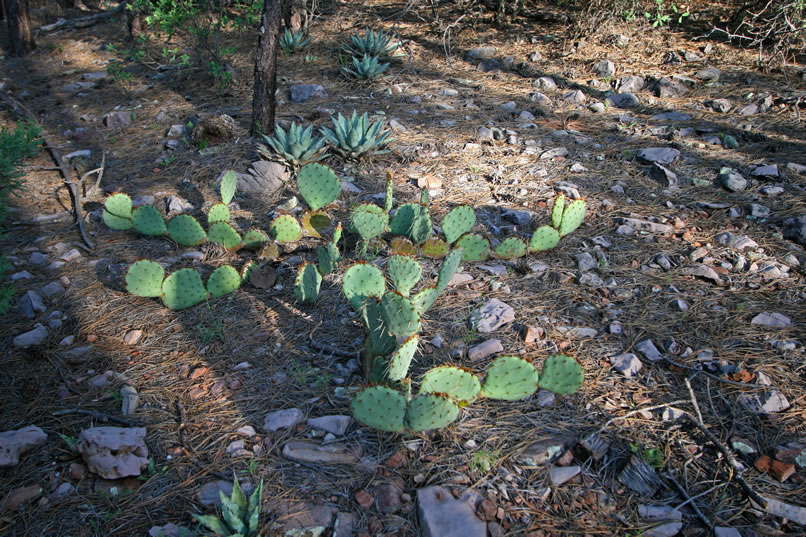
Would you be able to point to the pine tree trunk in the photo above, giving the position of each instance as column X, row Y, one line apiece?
column 21, row 40
column 263, row 101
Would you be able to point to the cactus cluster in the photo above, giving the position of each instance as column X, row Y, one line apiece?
column 240, row 516
column 356, row 137
column 373, row 43
column 183, row 288
column 295, row 147
column 564, row 220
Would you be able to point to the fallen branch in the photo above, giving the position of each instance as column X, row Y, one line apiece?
column 100, row 416
column 83, row 22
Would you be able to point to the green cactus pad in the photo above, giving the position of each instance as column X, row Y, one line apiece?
column 399, row 315
column 401, row 359
column 307, row 283
column 186, row 230
column 544, row 238
column 561, row 374
column 116, row 222
column 455, row 382
column 474, row 247
column 425, row 299
column 183, row 289
column 435, row 248
column 457, row 222
column 229, row 184
column 147, row 220
column 380, row 407
column 557, row 211
column 119, row 205
column 270, row 252
column 431, row 411
column 362, row 280
column 285, row 229
column 413, row 221
column 144, row 278
column 573, row 216
column 389, row 198
column 377, row 373
column 218, row 213
column 403, row 246
column 225, row 235
column 368, row 220
column 404, row 272
column 511, row 248
column 255, row 239
column 315, row 223
column 327, row 260
column 247, row 269
column 510, row 378
column 381, row 343
column 223, row 280
column 448, row 269
column 318, row 185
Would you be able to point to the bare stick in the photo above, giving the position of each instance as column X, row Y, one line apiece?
column 100, row 416
column 99, row 171
column 609, row 422
column 690, row 499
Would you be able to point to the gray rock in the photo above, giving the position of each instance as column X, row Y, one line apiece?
column 210, row 494
column 114, row 452
column 737, row 242
column 795, row 229
column 661, row 155
column 623, row 100
column 730, row 142
column 574, row 97
column 667, row 88
column 748, row 109
column 72, row 255
column 540, row 98
column 627, row 364
column 604, row 69
column 672, row 58
column 282, row 419
column 30, row 304
column 662, row 175
column 37, row 258
column 337, row 425
column 767, row 190
column 495, row 270
column 169, row 530
column 313, row 453
column 520, row 218
column 449, row 92
column 484, row 133
column 591, row 279
column 129, row 400
column 508, row 106
column 549, row 154
column 671, row 116
column 649, row 350
column 22, row 275
column 15, row 443
column 722, row 531
column 578, row 331
column 662, row 513
column 563, row 474
column 757, row 210
column 81, row 154
column 52, row 289
column 176, row 131
column 484, row 349
column 480, row 53
column 630, row 84
column 545, row 398
column 702, row 271
column 442, row 515
column 768, row 402
column 176, row 205
column 597, row 108
column 94, row 76
column 493, row 315
column 535, row 56
column 396, row 125
column 78, row 86
column 709, row 74
column 488, row 66
column 723, row 106
column 37, row 336
column 525, row 115
column 769, row 170
column 732, row 180
column 645, row 225
column 115, row 120
column 544, row 82
column 771, row 320
column 301, row 93
column 585, row 261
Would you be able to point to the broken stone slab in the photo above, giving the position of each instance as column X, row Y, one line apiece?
column 661, row 155
column 702, row 271
column 177, row 205
column 311, row 452
column 795, row 229
column 562, row 474
column 649, row 350
column 765, row 403
column 666, row 88
column 31, row 303
column 737, row 242
column 662, row 175
column 298, row 518
column 769, row 170
column 546, row 450
column 129, row 400
column 577, row 331
column 114, row 452
column 723, row 531
column 630, row 84
column 19, row 496
column 210, row 493
column 301, row 93
column 282, row 419
column 623, row 100
column 627, row 364
column 37, row 336
column 604, row 69
column 671, row 116
column 662, row 513
column 337, row 425
column 771, row 320
column 709, row 74
column 169, row 530
column 640, row 477
column 645, row 225
column 264, row 176
column 594, row 446
column 484, row 349
column 442, row 515
column 15, row 443
column 492, row 315
column 115, row 120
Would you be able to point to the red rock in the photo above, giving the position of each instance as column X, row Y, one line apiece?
column 387, row 498
column 19, row 496
column 396, row 460
column 364, row 499
column 763, row 463
column 530, row 334
column 77, row 471
column 566, row 459
column 487, row 510
column 199, row 372
column 782, row 470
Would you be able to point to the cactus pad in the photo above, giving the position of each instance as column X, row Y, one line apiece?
column 402, row 245
column 401, row 359
column 413, row 221
column 318, row 185
column 573, row 216
column 368, row 220
column 362, row 280
column 270, row 252
column 229, row 184
column 404, row 272
column 510, row 378
column 389, row 197
column 144, row 278
column 474, row 247
column 118, row 212
column 255, row 239
column 327, row 259
column 247, row 269
column 399, row 315
column 561, row 374
column 435, row 248
column 510, row 248
column 315, row 223
column 455, row 382
column 557, row 211
column 225, row 279
column 380, row 407
column 381, row 343
column 148, row 221
column 457, row 222
column 285, row 229
column 448, row 269
column 183, row 289
column 425, row 299
column 225, row 235
column 186, row 230
column 218, row 213
column 430, row 411
column 307, row 284
column 544, row 238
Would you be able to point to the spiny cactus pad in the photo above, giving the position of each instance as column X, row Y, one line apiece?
column 457, row 383
column 368, row 220
column 380, row 407
column 557, row 211
column 402, row 245
column 413, row 221
column 435, row 248
column 285, row 229
column 118, row 212
column 510, row 378
column 474, row 247
column 544, row 238
column 270, row 252
column 457, row 222
column 255, row 239
column 448, row 269
column 225, row 279
column 247, row 269
column 224, row 234
column 430, row 411
column 381, row 342
column 327, row 261
column 183, row 289
column 561, row 374
column 315, row 223
column 229, row 183
column 318, row 185
column 573, row 216
column 186, row 230
column 389, row 197
column 425, row 299
column 218, row 213
column 404, row 272
column 144, row 278
column 148, row 221
column 362, row 280
column 307, row 283
column 399, row 315
column 401, row 359
column 511, row 248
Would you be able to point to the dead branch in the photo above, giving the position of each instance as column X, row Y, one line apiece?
column 83, row 22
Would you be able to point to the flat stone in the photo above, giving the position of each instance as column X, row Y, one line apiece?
column 301, row 93
column 671, row 116
column 544, row 82
column 702, row 271
column 723, row 106
column 30, row 304
column 15, row 443
column 667, row 88
column 771, row 320
column 660, row 155
column 623, row 100
column 748, row 109
column 732, row 180
column 604, row 69
column 645, row 225
column 795, row 229
column 442, row 515
column 460, row 278
column 19, row 496
column 662, row 175
column 649, row 350
column 480, row 53
column 630, row 84
column 493, row 315
column 484, row 349
column 21, row 275
column 709, row 74
column 553, row 153
column 37, row 258
column 640, row 477
column 311, row 452
column 169, row 530
column 577, row 331
column 722, row 531
column 387, row 498
column 176, row 205
column 540, row 98
column 118, row 119
column 737, row 242
column 37, row 336
column 337, row 425
column 291, row 518
column 575, row 97
column 133, row 337
column 585, row 261
column 209, row 494
column 769, row 170
column 129, row 399
column 519, row 218
column 282, row 419
column 627, row 364
column 114, row 452
column 563, row 474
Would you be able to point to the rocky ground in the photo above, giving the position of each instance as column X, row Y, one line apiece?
column 681, row 294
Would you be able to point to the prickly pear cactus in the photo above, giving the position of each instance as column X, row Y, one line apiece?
column 412, row 220
column 561, row 374
column 223, row 280
column 435, row 248
column 448, row 269
column 510, row 378
column 327, row 260
column 186, row 230
column 381, row 342
column 389, row 198
column 144, row 278
column 380, row 407
column 399, row 315
column 557, row 211
column 148, row 221
column 457, row 222
column 431, row 411
column 368, row 220
column 474, row 247
column 255, row 239
column 218, row 213
column 544, row 238
column 183, row 289
column 118, row 212
column 318, row 185
column 404, row 272
column 225, row 235
column 510, row 248
column 401, row 359
column 402, row 245
column 285, row 229
column 229, row 184
column 425, row 299
column 573, row 216
column 360, row 281
column 247, row 269
column 314, row 223
column 457, row 383
column 307, row 283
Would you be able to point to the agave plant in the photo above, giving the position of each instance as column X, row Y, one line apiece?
column 369, row 68
column 290, row 42
column 355, row 136
column 372, row 44
column 297, row 146
column 240, row 515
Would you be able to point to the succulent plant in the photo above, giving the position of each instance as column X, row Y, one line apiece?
column 186, row 230
column 222, row 281
column 240, row 517
column 457, row 383
column 290, row 42
column 399, row 315
column 307, row 283
column 183, row 289
column 361, row 281
column 457, row 222
column 255, row 239
column 561, row 374
column 367, row 68
column 218, row 213
column 401, row 359
column 544, row 238
column 510, row 248
column 318, row 185
column 285, row 229
column 510, row 378
column 369, row 221
column 474, row 247
column 380, row 407
column 355, row 137
column 228, row 186
column 573, row 215
column 412, row 220
column 315, row 223
column 402, row 245
column 225, row 235
column 117, row 212
column 144, row 278
column 296, row 147
column 404, row 272
column 329, row 254
column 435, row 248
column 148, row 221
column 448, row 269
column 372, row 43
